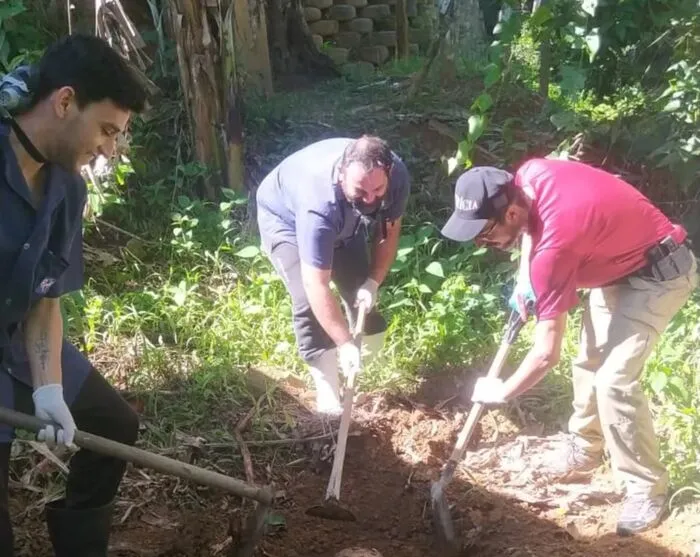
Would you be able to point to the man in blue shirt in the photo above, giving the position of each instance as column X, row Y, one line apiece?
column 82, row 95
column 314, row 211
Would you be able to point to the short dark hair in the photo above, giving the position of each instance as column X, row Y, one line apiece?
column 93, row 69
column 515, row 196
column 370, row 151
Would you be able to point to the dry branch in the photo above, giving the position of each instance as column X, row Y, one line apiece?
column 453, row 134
column 238, row 434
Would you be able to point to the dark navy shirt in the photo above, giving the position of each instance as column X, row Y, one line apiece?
column 300, row 202
column 40, row 250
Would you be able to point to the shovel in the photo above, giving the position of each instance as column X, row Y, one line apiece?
column 263, row 495
column 331, row 508
column 442, row 520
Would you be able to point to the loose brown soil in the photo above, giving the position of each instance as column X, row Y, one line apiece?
column 396, row 447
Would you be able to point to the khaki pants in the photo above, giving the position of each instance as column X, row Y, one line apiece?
column 621, row 324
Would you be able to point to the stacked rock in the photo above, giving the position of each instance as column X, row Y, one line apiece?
column 355, row 31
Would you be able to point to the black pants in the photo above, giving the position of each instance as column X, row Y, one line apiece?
column 350, row 270
column 93, row 480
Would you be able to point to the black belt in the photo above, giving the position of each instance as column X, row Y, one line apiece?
column 666, row 260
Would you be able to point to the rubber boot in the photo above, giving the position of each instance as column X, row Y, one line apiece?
column 371, row 346
column 324, row 371
column 79, row 533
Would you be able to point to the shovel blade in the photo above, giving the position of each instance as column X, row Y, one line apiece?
column 442, row 520
column 331, row 510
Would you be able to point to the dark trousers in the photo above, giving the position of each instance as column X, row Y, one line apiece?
column 350, row 270
column 93, row 480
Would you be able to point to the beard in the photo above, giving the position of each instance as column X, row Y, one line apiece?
column 366, row 209
column 514, row 240
column 68, row 148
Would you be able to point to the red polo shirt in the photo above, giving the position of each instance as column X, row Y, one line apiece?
column 588, row 229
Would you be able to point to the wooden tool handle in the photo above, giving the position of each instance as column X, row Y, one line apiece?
column 333, row 490
column 138, row 456
column 477, row 408
column 515, row 324
column 357, row 337
column 360, row 322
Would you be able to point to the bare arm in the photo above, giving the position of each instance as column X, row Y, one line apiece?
column 324, row 305
column 384, row 252
column 43, row 341
column 543, row 356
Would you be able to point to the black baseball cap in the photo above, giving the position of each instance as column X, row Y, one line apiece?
column 479, row 195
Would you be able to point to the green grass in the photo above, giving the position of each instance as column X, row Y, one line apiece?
column 193, row 304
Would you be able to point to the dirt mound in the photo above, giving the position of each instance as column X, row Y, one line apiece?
column 385, row 484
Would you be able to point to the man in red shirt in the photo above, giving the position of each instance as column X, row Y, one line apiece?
column 583, row 228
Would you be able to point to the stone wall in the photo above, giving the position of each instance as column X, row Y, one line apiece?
column 356, row 31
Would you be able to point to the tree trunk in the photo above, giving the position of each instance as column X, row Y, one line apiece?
column 692, row 223
column 401, row 29
column 490, row 10
column 467, row 37
column 465, row 40
column 545, row 55
column 292, row 50
column 545, row 65
column 251, row 41
column 436, row 48
column 460, row 34
column 204, row 38
column 234, row 107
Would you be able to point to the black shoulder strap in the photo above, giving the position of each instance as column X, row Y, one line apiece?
column 24, row 140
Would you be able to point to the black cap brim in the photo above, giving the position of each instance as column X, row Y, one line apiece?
column 461, row 229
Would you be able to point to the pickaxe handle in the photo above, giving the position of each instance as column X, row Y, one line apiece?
column 147, row 459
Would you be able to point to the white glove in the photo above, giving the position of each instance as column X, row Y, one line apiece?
column 349, row 356
column 49, row 405
column 367, row 294
column 489, row 390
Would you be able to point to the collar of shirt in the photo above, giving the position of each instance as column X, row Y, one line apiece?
column 54, row 189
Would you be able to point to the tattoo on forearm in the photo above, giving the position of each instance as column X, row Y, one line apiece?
column 41, row 351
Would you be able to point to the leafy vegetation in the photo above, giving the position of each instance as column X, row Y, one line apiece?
column 179, row 293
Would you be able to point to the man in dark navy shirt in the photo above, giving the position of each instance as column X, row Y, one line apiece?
column 313, row 212
column 82, row 96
